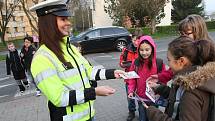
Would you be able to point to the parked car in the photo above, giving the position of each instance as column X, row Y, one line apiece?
column 102, row 39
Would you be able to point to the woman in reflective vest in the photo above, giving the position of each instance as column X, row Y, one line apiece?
column 60, row 71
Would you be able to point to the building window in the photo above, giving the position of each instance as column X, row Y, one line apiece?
column 22, row 18
column 14, row 18
column 23, row 29
column 11, row 5
column 8, row 30
column 4, row 17
column 20, row 8
column 16, row 29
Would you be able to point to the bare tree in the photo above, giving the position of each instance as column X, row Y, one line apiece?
column 154, row 10
column 6, row 14
column 30, row 16
column 81, row 12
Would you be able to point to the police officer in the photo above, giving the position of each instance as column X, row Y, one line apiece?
column 60, row 71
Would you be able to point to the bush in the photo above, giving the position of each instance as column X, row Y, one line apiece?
column 211, row 24
column 172, row 29
column 169, row 30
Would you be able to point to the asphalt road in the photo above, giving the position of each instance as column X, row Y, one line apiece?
column 9, row 90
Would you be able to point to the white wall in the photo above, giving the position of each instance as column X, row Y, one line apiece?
column 167, row 19
column 100, row 17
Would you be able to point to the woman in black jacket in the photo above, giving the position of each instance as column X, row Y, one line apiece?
column 27, row 53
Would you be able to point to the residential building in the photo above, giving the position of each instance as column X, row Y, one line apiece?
column 99, row 16
column 18, row 26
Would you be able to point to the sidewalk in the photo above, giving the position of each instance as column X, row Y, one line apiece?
column 32, row 108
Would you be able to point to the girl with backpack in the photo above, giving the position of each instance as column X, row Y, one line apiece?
column 145, row 66
column 193, row 83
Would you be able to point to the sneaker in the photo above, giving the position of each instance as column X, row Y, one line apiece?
column 131, row 116
column 38, row 93
column 21, row 92
column 28, row 85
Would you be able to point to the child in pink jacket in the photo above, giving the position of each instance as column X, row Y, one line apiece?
column 145, row 66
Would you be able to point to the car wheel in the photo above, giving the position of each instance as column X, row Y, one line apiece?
column 120, row 45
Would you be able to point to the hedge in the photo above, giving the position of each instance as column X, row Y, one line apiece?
column 170, row 30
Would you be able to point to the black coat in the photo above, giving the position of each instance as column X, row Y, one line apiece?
column 13, row 63
column 28, row 56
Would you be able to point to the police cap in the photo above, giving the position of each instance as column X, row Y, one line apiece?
column 55, row 7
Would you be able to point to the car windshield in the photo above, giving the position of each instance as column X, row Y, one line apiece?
column 82, row 33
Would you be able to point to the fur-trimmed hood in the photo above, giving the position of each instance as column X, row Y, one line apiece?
column 201, row 77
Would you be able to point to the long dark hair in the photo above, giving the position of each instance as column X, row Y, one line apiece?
column 140, row 60
column 50, row 35
column 199, row 52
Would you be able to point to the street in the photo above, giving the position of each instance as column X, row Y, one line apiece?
column 111, row 108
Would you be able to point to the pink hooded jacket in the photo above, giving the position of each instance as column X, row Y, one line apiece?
column 142, row 70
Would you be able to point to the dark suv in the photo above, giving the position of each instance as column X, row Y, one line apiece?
column 101, row 39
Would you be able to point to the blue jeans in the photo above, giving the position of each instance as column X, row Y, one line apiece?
column 93, row 119
column 131, row 102
column 142, row 112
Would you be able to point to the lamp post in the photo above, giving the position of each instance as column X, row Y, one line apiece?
column 93, row 13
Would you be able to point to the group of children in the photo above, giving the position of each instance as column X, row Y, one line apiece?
column 194, row 48
column 19, row 64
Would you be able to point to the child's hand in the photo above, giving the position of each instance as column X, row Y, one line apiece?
column 152, row 84
column 130, row 95
column 153, row 78
column 33, row 52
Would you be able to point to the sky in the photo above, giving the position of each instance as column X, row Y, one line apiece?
column 209, row 6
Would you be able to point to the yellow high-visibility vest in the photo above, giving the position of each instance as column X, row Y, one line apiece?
column 56, row 82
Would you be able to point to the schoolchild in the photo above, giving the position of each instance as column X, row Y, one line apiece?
column 192, row 63
column 127, row 56
column 13, row 63
column 193, row 26
column 27, row 53
column 145, row 66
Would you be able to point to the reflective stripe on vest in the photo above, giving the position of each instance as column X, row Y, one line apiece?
column 79, row 115
column 44, row 75
column 65, row 99
column 79, row 96
column 79, row 84
column 102, row 74
column 93, row 74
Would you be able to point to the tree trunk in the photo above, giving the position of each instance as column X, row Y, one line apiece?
column 2, row 37
column 82, row 17
column 28, row 14
column 153, row 25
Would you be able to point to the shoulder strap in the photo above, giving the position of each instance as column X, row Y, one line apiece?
column 211, row 109
column 125, row 54
column 8, row 55
column 159, row 63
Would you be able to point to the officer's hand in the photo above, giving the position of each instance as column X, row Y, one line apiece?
column 117, row 73
column 104, row 90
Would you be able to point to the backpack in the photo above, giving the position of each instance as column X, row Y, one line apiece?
column 211, row 109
